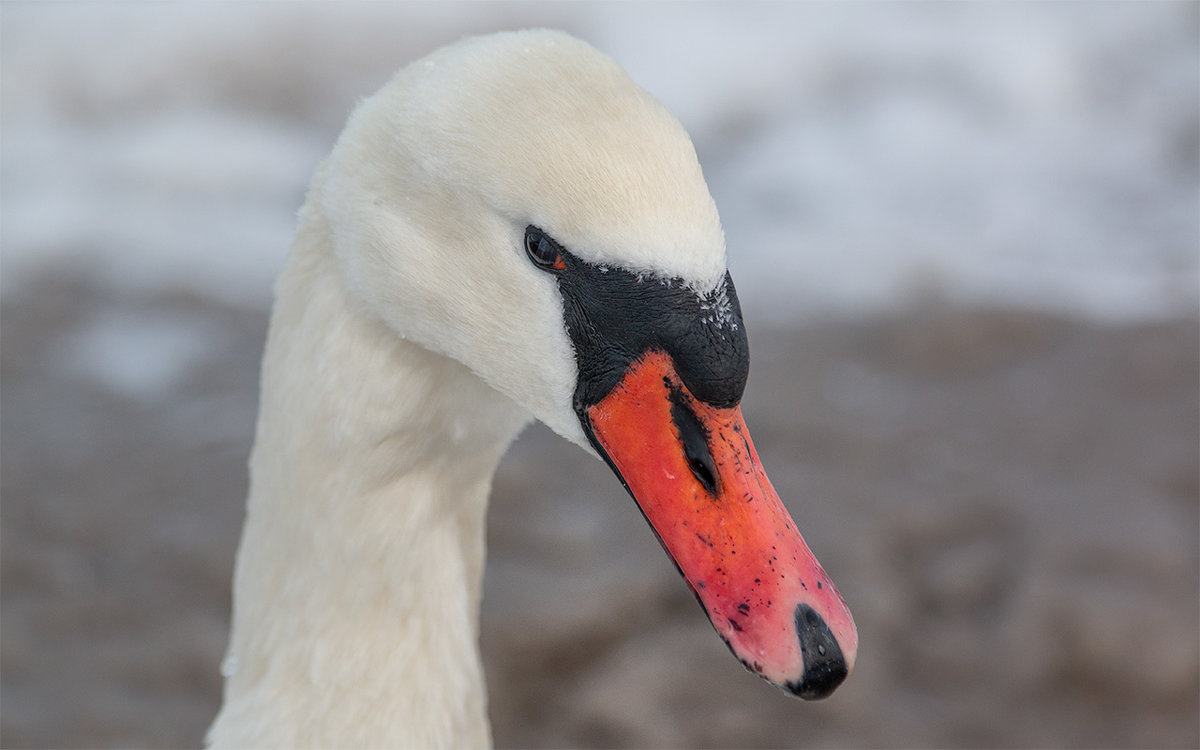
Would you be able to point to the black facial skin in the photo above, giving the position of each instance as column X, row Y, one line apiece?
column 613, row 316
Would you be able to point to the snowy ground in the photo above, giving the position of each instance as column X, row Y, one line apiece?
column 967, row 240
column 1037, row 154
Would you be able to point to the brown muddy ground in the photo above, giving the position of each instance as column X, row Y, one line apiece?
column 1007, row 500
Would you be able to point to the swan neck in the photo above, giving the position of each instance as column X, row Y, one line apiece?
column 357, row 587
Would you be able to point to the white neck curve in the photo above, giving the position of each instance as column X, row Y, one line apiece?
column 357, row 588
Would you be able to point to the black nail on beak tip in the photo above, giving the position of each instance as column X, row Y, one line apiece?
column 824, row 665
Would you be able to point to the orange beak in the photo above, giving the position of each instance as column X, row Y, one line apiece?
column 696, row 476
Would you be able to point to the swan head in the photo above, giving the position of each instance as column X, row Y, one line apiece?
column 516, row 203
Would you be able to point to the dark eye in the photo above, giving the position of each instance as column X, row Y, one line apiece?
column 542, row 250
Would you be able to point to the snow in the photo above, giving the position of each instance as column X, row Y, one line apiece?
column 135, row 356
column 1027, row 155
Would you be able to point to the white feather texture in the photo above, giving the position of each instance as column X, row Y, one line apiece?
column 410, row 342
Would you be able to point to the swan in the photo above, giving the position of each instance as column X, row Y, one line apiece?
column 510, row 229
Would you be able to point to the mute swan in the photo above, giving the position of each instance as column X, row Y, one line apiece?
column 510, row 229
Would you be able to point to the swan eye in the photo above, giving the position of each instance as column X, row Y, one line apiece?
column 542, row 250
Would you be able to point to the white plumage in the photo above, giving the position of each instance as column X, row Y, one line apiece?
column 410, row 342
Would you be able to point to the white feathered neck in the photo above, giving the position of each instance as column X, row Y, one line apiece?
column 409, row 344
column 358, row 578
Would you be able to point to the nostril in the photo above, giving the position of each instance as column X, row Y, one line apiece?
column 703, row 473
column 824, row 664
column 694, row 439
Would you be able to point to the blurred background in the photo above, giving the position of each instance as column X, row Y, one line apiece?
column 966, row 239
